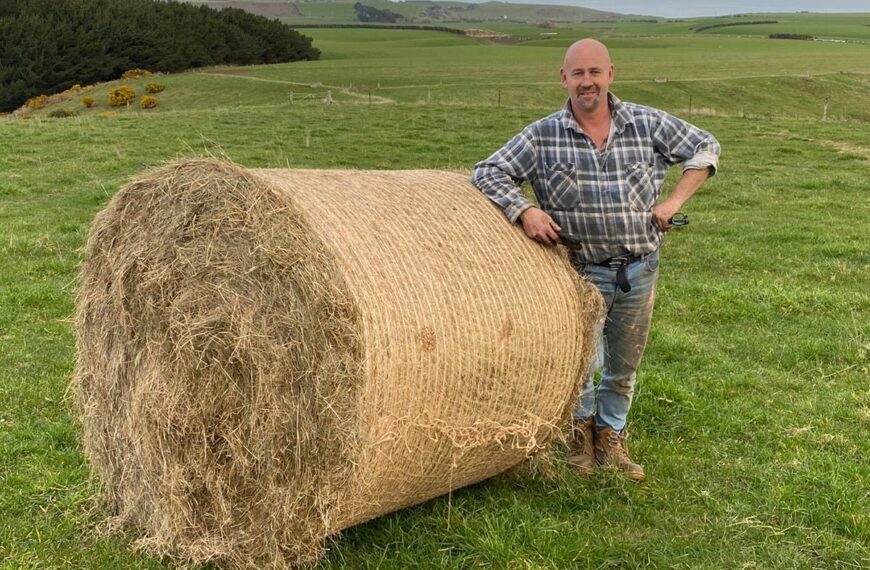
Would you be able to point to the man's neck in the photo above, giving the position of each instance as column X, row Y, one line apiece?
column 596, row 120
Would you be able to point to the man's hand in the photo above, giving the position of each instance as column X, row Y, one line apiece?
column 689, row 182
column 539, row 226
column 664, row 212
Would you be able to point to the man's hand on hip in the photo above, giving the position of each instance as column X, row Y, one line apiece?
column 689, row 182
column 663, row 212
column 539, row 226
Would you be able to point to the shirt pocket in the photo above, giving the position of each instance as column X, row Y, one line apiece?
column 640, row 180
column 563, row 189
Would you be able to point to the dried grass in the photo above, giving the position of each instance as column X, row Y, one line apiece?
column 266, row 357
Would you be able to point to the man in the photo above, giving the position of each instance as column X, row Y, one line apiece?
column 597, row 168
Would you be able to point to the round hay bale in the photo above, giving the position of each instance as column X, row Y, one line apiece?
column 266, row 357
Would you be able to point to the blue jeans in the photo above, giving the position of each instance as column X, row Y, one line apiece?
column 620, row 342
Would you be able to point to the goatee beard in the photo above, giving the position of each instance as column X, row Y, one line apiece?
column 588, row 105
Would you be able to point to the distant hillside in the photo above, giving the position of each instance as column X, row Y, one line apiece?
column 499, row 11
column 266, row 9
column 418, row 11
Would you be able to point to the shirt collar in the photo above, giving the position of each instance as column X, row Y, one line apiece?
column 618, row 114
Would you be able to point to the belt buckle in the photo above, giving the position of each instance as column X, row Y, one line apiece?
column 617, row 262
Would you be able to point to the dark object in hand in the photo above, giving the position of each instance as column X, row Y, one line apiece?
column 679, row 219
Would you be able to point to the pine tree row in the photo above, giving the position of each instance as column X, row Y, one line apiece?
column 46, row 46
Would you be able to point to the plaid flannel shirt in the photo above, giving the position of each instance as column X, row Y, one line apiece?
column 603, row 199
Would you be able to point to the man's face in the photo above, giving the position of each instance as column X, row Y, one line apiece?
column 587, row 75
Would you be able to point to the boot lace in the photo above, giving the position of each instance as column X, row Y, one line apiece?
column 617, row 448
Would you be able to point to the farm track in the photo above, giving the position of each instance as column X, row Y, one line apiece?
column 846, row 148
column 839, row 146
column 373, row 98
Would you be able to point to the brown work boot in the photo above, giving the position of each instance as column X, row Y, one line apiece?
column 610, row 449
column 581, row 453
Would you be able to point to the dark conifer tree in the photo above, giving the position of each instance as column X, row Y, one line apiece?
column 47, row 46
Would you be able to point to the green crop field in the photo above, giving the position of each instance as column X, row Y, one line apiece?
column 753, row 412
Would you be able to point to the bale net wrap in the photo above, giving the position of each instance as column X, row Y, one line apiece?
column 266, row 357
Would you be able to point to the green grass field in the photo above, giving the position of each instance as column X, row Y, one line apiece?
column 714, row 75
column 753, row 412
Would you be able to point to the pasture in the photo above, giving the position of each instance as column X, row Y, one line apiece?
column 752, row 416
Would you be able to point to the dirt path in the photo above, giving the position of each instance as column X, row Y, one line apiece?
column 337, row 88
column 847, row 148
column 839, row 146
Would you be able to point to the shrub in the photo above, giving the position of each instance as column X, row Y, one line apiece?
column 88, row 102
column 134, row 73
column 790, row 37
column 729, row 24
column 75, row 88
column 121, row 96
column 37, row 102
column 153, row 87
column 61, row 113
column 371, row 14
column 148, row 102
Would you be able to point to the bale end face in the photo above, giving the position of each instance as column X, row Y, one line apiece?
column 217, row 363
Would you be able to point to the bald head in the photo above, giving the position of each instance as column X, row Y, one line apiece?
column 587, row 49
column 587, row 74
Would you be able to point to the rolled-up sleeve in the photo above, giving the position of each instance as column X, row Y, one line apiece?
column 683, row 143
column 498, row 176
